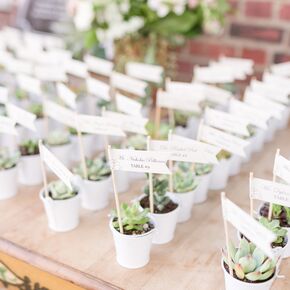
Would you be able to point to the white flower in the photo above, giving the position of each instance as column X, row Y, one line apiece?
column 84, row 15
column 163, row 7
column 212, row 27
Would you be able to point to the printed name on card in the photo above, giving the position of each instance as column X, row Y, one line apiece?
column 99, row 66
column 76, row 68
column 145, row 72
column 139, row 161
column 269, row 191
column 260, row 102
column 180, row 151
column 3, row 95
column 177, row 102
column 22, row 117
column 253, row 115
column 7, row 126
column 99, row 125
column 67, row 95
column 249, row 227
column 128, row 123
column 128, row 105
column 29, row 84
column 223, row 140
column 129, row 84
column 60, row 114
column 282, row 168
column 227, row 122
column 98, row 88
column 56, row 166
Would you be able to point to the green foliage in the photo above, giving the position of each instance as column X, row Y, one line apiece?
column 132, row 218
column 98, row 169
column 21, row 94
column 58, row 138
column 249, row 262
column 29, row 147
column 137, row 142
column 202, row 169
column 181, row 118
column 274, row 226
column 160, row 188
column 36, row 109
column 7, row 160
column 163, row 130
column 59, row 191
column 223, row 154
column 183, row 178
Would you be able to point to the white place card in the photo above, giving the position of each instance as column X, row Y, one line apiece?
column 76, row 68
column 50, row 73
column 281, row 69
column 99, row 66
column 3, row 95
column 244, row 64
column 7, row 126
column 128, row 105
column 67, row 95
column 217, row 95
column 29, row 84
column 282, row 168
column 98, row 88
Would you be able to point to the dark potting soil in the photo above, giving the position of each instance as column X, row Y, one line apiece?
column 171, row 206
column 50, row 195
column 273, row 245
column 148, row 227
column 282, row 218
column 245, row 279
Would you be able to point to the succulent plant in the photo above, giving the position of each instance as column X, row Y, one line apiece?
column 181, row 118
column 279, row 212
column 29, row 147
column 223, row 154
column 108, row 105
column 59, row 191
column 202, row 169
column 21, row 94
column 137, row 142
column 274, row 226
column 163, row 130
column 249, row 262
column 133, row 220
column 7, row 160
column 58, row 138
column 36, row 109
column 160, row 188
column 98, row 169
column 183, row 178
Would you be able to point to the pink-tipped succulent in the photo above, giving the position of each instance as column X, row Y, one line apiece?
column 249, row 262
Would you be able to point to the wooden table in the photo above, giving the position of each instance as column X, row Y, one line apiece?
column 86, row 256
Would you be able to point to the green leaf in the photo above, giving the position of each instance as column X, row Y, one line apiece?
column 253, row 276
column 259, row 256
column 239, row 271
column 267, row 275
column 248, row 264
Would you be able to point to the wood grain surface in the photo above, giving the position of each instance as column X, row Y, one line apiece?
column 86, row 255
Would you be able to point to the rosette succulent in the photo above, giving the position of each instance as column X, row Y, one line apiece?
column 183, row 178
column 7, row 161
column 98, row 169
column 249, row 262
column 59, row 191
column 134, row 220
column 202, row 169
column 29, row 147
column 137, row 142
column 181, row 118
column 163, row 130
column 279, row 212
column 58, row 138
column 36, row 109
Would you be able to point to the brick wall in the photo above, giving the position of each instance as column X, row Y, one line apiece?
column 256, row 29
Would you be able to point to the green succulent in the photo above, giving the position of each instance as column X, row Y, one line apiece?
column 29, row 147
column 274, row 226
column 163, row 130
column 21, row 94
column 249, row 262
column 202, row 169
column 7, row 160
column 98, row 169
column 58, row 138
column 36, row 109
column 108, row 105
column 281, row 213
column 223, row 154
column 160, row 188
column 59, row 191
column 132, row 218
column 137, row 142
column 181, row 118
column 183, row 178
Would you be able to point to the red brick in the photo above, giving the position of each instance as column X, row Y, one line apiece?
column 285, row 12
column 281, row 57
column 261, row 9
column 185, row 67
column 257, row 33
column 210, row 50
column 257, row 55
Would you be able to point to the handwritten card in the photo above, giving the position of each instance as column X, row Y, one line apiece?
column 99, row 66
column 139, row 161
column 282, row 168
column 128, row 105
column 67, row 95
column 98, row 88
column 7, row 126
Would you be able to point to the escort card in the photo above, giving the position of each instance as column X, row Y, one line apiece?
column 99, row 66
column 3, row 95
column 98, row 88
column 67, row 95
column 76, row 68
column 282, row 168
column 128, row 105
column 29, row 84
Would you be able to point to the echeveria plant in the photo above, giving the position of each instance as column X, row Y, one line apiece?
column 183, row 178
column 59, row 191
column 134, row 220
column 137, row 142
column 98, row 169
column 36, row 109
column 249, row 262
column 7, row 161
column 58, row 138
column 223, row 154
column 29, row 147
column 202, row 169
column 163, row 130
column 279, row 212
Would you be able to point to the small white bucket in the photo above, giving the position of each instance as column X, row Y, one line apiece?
column 30, row 170
column 63, row 153
column 235, row 167
column 220, row 175
column 201, row 191
column 8, row 182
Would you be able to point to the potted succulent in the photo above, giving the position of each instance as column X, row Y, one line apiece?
column 259, row 140
column 37, row 110
column 164, row 129
column 165, row 209
column 236, row 163
column 134, row 244
column 186, row 123
column 88, row 142
column 62, row 206
column 97, row 187
column 252, row 270
column 203, row 173
column 220, row 173
column 184, row 189
column 29, row 165
column 282, row 214
column 8, row 174
column 60, row 145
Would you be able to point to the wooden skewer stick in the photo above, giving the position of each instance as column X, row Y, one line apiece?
column 170, row 163
column 157, row 121
column 151, row 196
column 45, row 184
